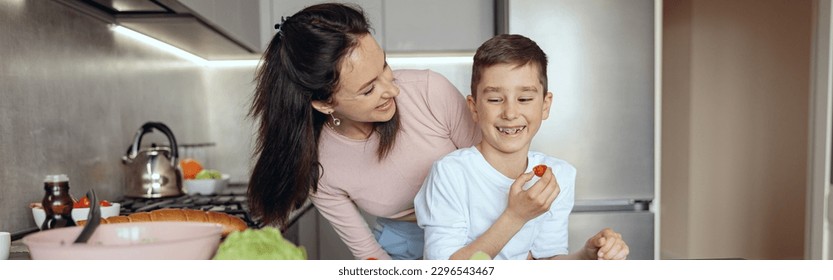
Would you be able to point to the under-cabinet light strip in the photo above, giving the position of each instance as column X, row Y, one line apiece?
column 431, row 59
column 392, row 59
column 233, row 63
column 158, row 44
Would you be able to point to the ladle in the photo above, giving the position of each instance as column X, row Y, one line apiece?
column 93, row 219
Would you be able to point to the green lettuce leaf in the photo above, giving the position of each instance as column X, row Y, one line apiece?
column 259, row 244
column 209, row 174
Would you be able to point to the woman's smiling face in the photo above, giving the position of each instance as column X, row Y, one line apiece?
column 509, row 106
column 366, row 90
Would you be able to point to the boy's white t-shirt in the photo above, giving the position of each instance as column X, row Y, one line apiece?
column 464, row 195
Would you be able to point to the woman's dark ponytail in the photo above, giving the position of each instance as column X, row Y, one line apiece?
column 300, row 65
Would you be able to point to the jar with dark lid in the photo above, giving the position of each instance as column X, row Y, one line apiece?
column 57, row 202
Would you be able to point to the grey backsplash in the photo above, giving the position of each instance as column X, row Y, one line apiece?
column 230, row 92
column 73, row 93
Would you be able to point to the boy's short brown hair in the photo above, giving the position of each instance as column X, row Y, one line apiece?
column 511, row 49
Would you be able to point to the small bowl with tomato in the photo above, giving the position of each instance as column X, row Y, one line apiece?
column 80, row 210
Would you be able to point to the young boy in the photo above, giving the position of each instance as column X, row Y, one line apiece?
column 463, row 202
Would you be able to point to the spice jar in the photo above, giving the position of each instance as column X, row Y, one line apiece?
column 57, row 202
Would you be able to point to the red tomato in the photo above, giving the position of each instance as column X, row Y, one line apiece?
column 539, row 170
column 84, row 202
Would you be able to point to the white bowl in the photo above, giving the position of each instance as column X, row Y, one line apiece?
column 135, row 241
column 206, row 186
column 78, row 214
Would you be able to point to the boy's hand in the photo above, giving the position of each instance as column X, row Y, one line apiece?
column 525, row 205
column 606, row 245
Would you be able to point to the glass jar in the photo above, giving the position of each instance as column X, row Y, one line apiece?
column 57, row 202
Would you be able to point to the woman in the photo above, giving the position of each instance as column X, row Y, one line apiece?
column 338, row 126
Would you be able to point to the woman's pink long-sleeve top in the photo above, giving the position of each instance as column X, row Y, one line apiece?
column 434, row 122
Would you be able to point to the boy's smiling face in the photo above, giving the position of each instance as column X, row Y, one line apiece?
column 509, row 108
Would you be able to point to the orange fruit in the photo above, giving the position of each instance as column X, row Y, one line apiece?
column 190, row 167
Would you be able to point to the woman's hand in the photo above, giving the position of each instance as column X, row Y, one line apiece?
column 606, row 245
column 525, row 205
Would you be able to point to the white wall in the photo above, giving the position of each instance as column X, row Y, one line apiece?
column 735, row 112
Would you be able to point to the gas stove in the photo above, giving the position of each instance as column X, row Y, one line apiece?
column 229, row 203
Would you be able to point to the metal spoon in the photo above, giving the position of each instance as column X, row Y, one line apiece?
column 93, row 219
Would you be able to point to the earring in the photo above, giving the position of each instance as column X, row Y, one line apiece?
column 336, row 121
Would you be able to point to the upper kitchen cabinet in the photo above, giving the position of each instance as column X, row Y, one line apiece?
column 402, row 26
column 285, row 8
column 437, row 25
column 240, row 19
column 210, row 29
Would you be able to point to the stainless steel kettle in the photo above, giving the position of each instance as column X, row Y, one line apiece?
column 152, row 172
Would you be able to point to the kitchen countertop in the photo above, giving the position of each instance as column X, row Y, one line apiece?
column 19, row 251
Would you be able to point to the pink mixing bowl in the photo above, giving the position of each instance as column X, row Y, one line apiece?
column 137, row 241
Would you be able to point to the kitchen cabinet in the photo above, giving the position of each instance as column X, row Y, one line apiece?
column 303, row 231
column 437, row 25
column 317, row 236
column 329, row 243
column 321, row 241
column 239, row 19
column 412, row 26
column 284, row 8
column 210, row 29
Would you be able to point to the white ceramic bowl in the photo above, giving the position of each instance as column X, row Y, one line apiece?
column 206, row 186
column 78, row 214
column 136, row 241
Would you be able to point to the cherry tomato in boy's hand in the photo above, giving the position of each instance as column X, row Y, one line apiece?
column 539, row 170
